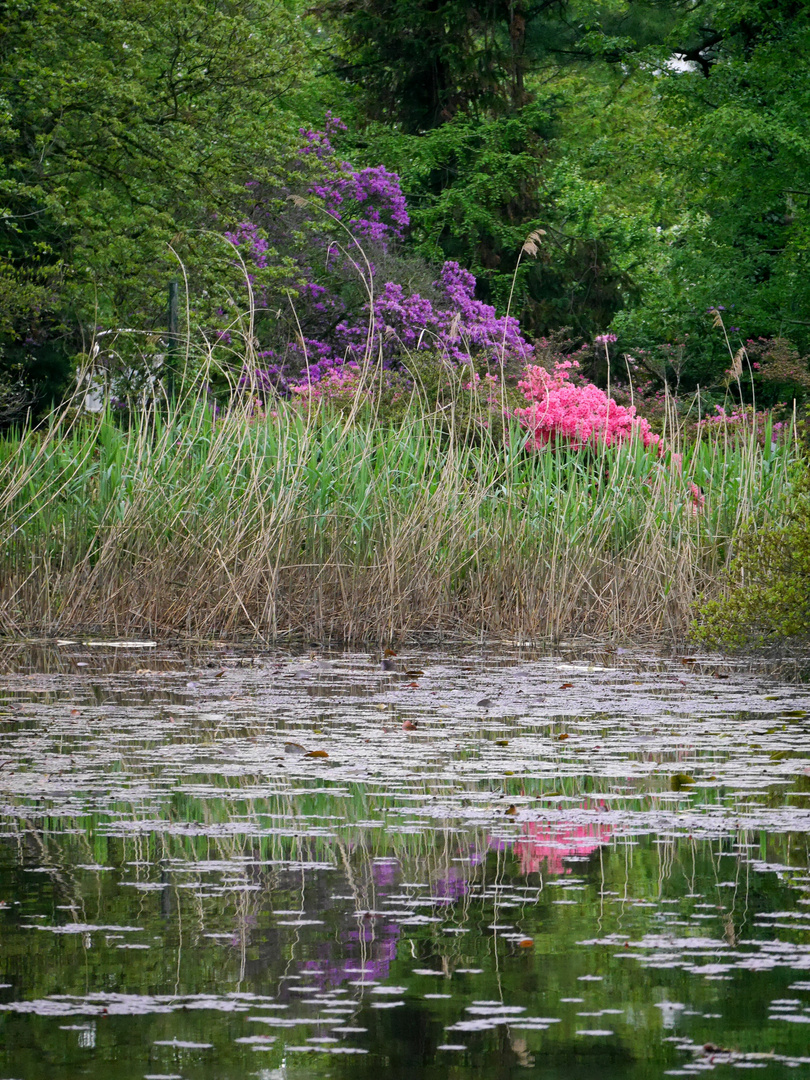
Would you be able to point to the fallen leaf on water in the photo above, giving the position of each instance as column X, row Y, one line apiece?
column 316, row 753
column 414, row 674
column 389, row 652
column 74, row 712
column 501, row 742
column 526, row 943
column 413, row 685
column 567, row 686
column 410, row 725
column 564, row 735
column 680, row 780
column 219, row 674
column 511, row 810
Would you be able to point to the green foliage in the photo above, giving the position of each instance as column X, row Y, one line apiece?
column 740, row 156
column 657, row 152
column 127, row 131
column 767, row 603
column 471, row 138
column 419, row 63
column 478, row 187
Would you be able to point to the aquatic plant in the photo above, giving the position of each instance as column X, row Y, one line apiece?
column 329, row 523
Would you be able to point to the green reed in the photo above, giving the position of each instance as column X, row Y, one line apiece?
column 321, row 524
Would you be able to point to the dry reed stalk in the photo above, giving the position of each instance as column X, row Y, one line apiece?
column 342, row 526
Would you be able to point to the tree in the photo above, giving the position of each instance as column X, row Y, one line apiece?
column 731, row 127
column 126, row 128
column 473, row 130
column 422, row 62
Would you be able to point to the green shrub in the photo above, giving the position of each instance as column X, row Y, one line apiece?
column 767, row 598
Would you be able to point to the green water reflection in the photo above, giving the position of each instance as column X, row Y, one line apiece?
column 179, row 899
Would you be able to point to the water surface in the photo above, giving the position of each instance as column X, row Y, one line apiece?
column 484, row 864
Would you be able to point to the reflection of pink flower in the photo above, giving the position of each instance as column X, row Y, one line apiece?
column 545, row 847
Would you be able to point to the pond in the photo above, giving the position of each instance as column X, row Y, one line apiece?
column 460, row 863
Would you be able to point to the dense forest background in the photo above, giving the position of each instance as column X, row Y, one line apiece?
column 657, row 154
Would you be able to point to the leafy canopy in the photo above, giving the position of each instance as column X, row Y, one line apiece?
column 125, row 128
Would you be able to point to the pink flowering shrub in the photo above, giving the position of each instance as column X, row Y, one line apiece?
column 560, row 411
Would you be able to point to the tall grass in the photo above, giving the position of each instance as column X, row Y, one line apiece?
column 326, row 525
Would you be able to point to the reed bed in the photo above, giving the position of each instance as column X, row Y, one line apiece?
column 326, row 525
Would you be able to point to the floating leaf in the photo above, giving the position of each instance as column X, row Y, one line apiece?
column 316, row 753
column 680, row 780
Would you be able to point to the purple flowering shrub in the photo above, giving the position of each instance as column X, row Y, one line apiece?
column 366, row 326
column 369, row 201
column 355, row 301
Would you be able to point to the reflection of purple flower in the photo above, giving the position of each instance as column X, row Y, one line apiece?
column 385, row 872
column 372, row 949
column 451, row 887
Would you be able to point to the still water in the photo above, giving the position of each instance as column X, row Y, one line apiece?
column 477, row 864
